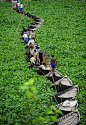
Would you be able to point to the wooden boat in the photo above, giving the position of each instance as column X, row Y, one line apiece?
column 42, row 70
column 67, row 106
column 26, row 13
column 32, row 28
column 71, row 118
column 63, row 83
column 54, row 76
column 38, row 25
column 66, row 94
column 29, row 15
column 39, row 20
column 35, row 17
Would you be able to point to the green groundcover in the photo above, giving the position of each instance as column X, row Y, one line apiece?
column 63, row 34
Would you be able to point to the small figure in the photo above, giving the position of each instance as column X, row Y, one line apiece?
column 37, row 50
column 31, row 47
column 25, row 37
column 53, row 60
column 32, row 62
column 21, row 8
column 14, row 3
column 33, row 36
column 17, row 6
column 45, row 57
column 41, row 56
column 28, row 33
column 35, row 55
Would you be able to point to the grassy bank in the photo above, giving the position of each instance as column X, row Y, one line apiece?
column 62, row 34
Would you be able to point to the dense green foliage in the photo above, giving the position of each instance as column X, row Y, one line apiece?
column 63, row 34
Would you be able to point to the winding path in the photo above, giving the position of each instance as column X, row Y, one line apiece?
column 63, row 85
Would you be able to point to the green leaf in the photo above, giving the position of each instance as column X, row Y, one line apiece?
column 54, row 118
column 49, row 111
column 29, row 94
column 23, row 87
column 41, row 118
column 60, row 112
column 34, row 89
column 53, row 107
column 30, row 82
column 26, row 83
column 34, row 97
column 57, row 115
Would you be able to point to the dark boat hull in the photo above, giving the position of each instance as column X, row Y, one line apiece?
column 54, row 78
column 40, row 71
column 62, row 88
column 71, row 118
column 58, row 98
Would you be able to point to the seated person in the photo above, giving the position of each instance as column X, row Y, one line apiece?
column 33, row 36
column 31, row 41
column 25, row 38
column 31, row 47
column 32, row 62
column 28, row 33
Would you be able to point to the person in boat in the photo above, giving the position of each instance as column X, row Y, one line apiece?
column 35, row 55
column 30, row 41
column 37, row 50
column 32, row 62
column 17, row 6
column 30, row 52
column 25, row 38
column 21, row 8
column 14, row 2
column 31, row 48
column 45, row 57
column 41, row 56
column 53, row 63
column 28, row 33
column 33, row 36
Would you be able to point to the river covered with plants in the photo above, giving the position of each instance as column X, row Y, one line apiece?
column 62, row 34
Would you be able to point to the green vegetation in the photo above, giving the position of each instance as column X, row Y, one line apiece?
column 32, row 117
column 63, row 34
